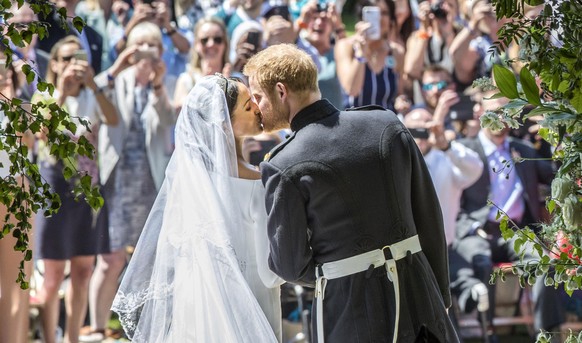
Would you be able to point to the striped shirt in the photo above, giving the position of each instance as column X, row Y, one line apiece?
column 379, row 89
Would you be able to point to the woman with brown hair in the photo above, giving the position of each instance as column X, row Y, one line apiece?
column 370, row 65
column 70, row 235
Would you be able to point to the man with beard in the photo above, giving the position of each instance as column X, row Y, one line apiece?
column 351, row 210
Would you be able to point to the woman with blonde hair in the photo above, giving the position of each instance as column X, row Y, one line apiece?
column 133, row 155
column 210, row 55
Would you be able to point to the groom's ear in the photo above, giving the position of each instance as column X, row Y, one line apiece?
column 281, row 90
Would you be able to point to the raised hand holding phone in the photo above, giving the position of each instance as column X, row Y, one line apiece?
column 371, row 15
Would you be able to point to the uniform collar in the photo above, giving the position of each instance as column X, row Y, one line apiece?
column 312, row 113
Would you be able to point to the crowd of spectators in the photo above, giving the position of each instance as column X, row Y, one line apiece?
column 129, row 70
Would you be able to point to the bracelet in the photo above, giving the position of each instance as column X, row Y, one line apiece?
column 158, row 87
column 301, row 24
column 423, row 35
column 361, row 59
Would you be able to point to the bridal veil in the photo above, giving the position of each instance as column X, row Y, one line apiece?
column 183, row 283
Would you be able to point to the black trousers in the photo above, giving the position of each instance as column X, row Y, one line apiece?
column 476, row 255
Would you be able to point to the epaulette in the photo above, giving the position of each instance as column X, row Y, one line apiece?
column 366, row 108
column 278, row 148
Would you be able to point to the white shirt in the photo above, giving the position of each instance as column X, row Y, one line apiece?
column 452, row 171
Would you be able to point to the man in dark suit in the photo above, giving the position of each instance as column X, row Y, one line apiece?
column 351, row 210
column 90, row 39
column 513, row 188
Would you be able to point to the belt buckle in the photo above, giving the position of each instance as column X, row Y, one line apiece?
column 387, row 253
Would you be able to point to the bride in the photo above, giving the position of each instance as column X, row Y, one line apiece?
column 199, row 272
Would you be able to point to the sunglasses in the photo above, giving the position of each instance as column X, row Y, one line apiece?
column 216, row 40
column 419, row 132
column 66, row 58
column 438, row 85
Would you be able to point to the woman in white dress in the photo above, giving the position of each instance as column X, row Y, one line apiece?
column 199, row 272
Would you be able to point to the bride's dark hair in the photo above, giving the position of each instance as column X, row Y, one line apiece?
column 230, row 88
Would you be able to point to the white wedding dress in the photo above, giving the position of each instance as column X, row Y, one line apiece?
column 253, row 251
column 194, row 274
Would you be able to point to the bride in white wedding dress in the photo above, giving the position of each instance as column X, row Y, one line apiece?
column 199, row 272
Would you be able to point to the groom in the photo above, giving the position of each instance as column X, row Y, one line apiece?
column 352, row 211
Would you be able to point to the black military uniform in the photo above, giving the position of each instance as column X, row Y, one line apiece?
column 346, row 183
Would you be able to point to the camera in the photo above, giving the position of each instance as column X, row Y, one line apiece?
column 463, row 110
column 280, row 10
column 438, row 11
column 151, row 53
column 81, row 55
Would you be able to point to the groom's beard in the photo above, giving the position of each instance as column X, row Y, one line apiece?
column 278, row 119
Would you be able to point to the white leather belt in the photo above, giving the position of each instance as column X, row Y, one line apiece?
column 360, row 263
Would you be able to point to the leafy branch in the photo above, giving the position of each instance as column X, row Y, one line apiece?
column 24, row 192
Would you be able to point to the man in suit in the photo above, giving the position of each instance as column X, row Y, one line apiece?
column 351, row 210
column 512, row 188
column 91, row 40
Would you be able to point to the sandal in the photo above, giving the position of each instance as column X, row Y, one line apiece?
column 90, row 335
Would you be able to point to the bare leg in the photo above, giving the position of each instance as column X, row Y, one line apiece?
column 103, row 288
column 13, row 300
column 76, row 299
column 53, row 277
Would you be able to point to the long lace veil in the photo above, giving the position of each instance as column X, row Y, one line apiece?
column 183, row 283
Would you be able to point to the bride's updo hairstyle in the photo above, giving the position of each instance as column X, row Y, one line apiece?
column 230, row 88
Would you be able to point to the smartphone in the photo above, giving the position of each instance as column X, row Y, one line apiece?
column 80, row 55
column 371, row 14
column 253, row 38
column 151, row 53
column 463, row 110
